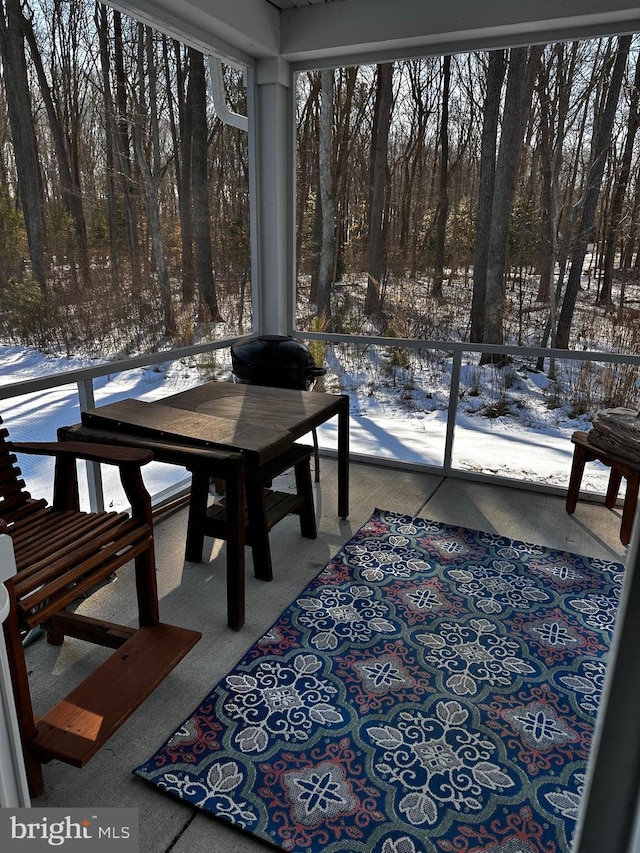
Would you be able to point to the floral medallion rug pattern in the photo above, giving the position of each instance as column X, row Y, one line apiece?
column 433, row 690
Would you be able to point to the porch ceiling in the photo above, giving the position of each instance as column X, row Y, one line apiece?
column 312, row 33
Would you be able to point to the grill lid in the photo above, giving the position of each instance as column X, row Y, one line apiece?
column 273, row 357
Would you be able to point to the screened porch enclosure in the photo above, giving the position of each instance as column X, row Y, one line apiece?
column 271, row 42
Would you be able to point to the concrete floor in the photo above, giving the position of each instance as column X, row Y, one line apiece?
column 193, row 595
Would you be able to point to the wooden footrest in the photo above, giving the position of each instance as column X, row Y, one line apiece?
column 277, row 506
column 78, row 726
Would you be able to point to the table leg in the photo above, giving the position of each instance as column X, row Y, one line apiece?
column 343, row 459
column 197, row 516
column 234, row 481
column 259, row 535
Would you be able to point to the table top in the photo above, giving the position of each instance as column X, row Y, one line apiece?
column 256, row 420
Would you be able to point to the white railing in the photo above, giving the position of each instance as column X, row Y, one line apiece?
column 456, row 350
column 84, row 380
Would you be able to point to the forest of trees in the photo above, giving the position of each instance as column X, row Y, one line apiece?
column 484, row 180
column 124, row 218
column 464, row 196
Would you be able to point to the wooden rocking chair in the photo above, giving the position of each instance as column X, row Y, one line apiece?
column 62, row 553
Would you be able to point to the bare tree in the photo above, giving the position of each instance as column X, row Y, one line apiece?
column 621, row 183
column 181, row 132
column 443, row 184
column 554, row 113
column 523, row 64
column 64, row 145
column 130, row 193
column 557, row 74
column 100, row 17
column 600, row 145
column 309, row 239
column 201, row 219
column 572, row 188
column 495, row 77
column 152, row 169
column 378, row 173
column 349, row 115
column 23, row 134
column 634, row 218
column 327, row 196
column 410, row 198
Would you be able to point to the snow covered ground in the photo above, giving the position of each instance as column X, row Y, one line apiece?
column 392, row 420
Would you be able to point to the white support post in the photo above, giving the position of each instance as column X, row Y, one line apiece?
column 272, row 194
column 94, row 472
column 454, row 395
column 14, row 790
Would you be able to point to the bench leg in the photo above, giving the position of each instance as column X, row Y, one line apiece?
column 615, row 478
column 304, row 488
column 147, row 587
column 629, row 509
column 577, row 470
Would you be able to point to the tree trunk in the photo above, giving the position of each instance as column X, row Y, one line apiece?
column 495, row 77
column 548, row 200
column 23, row 135
column 553, row 114
column 523, row 64
column 627, row 257
column 100, row 15
column 346, row 120
column 152, row 172
column 620, row 190
column 182, row 141
column 307, row 136
column 600, row 145
column 123, row 158
column 377, row 185
column 327, row 197
column 551, row 217
column 70, row 188
column 197, row 106
column 566, row 228
column 443, row 195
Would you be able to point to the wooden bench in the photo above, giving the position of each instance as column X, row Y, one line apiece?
column 585, row 452
column 263, row 510
column 61, row 554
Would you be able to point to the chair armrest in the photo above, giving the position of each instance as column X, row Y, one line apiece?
column 107, row 453
column 65, row 490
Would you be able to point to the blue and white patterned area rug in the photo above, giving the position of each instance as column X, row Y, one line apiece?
column 433, row 690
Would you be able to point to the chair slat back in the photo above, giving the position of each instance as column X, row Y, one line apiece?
column 13, row 494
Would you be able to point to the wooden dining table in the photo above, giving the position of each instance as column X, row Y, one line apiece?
column 219, row 430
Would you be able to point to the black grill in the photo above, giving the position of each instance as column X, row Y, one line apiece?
column 277, row 361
